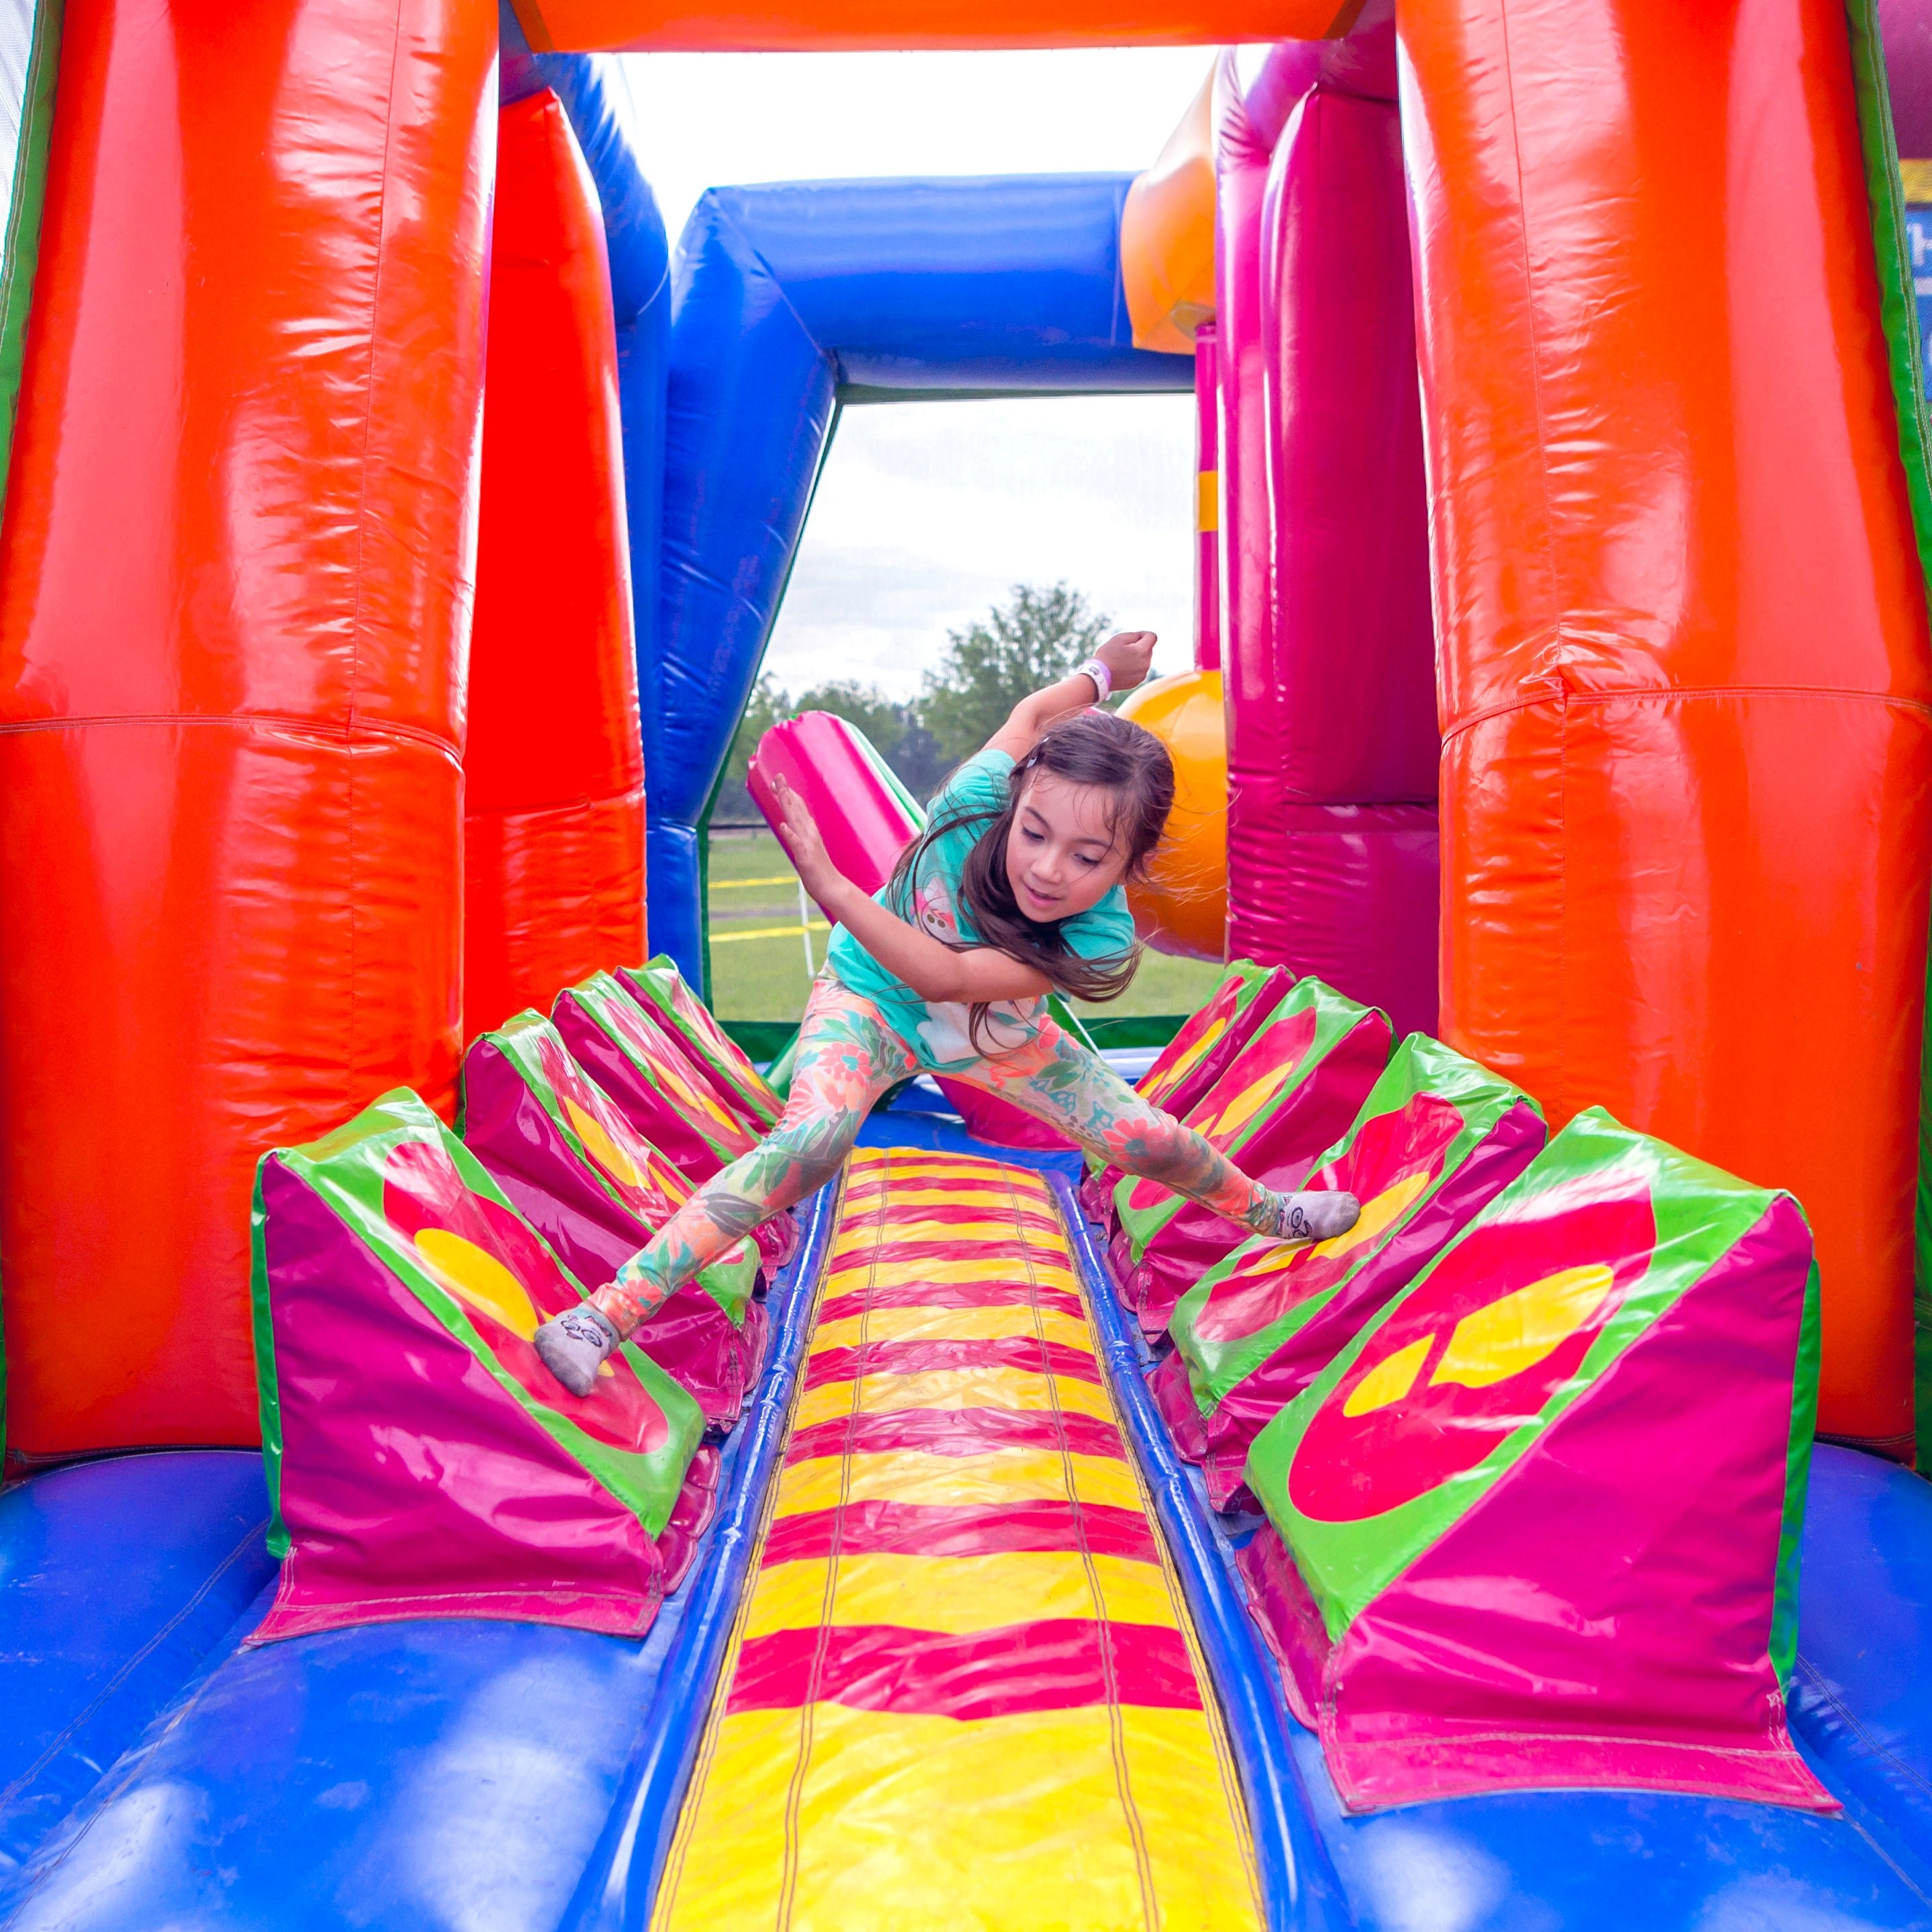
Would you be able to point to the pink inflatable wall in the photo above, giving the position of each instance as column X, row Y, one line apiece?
column 1332, row 742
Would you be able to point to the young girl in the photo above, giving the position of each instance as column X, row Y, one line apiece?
column 1014, row 889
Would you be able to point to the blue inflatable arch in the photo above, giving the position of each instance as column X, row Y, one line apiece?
column 787, row 301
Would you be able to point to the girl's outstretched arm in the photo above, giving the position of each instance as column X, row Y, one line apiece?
column 934, row 971
column 1126, row 655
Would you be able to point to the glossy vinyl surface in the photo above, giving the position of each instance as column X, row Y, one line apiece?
column 553, row 770
column 1684, row 662
column 788, row 298
column 118, row 1578
column 1167, row 234
column 1181, row 905
column 234, row 606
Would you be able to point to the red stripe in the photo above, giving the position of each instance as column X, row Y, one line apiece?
column 961, row 1529
column 921, row 1358
column 956, row 1432
column 996, row 1252
column 1058, row 1664
column 951, row 1294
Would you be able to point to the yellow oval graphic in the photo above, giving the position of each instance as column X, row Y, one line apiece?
column 1191, row 1059
column 1389, row 1381
column 474, row 1275
column 1242, row 1108
column 1379, row 1212
column 1515, row 1333
column 600, row 1147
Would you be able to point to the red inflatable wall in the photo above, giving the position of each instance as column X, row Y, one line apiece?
column 554, row 830
column 1684, row 652
column 233, row 612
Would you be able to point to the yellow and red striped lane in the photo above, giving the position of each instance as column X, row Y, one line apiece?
column 962, row 1690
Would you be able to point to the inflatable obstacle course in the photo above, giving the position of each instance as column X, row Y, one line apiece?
column 706, row 1045
column 421, row 1460
column 1437, row 1138
column 1287, row 1095
column 625, row 1050
column 1490, row 1587
column 596, row 1190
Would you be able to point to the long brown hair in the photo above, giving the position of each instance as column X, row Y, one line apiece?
column 1091, row 748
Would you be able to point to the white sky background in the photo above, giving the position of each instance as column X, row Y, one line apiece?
column 928, row 512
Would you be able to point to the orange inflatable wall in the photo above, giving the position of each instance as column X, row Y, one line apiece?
column 586, row 26
column 554, row 829
column 1682, row 627
column 233, row 610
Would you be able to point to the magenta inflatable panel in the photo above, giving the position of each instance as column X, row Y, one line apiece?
column 596, row 1190
column 1437, row 1139
column 1329, row 651
column 421, row 1460
column 1286, row 1098
column 1536, row 1525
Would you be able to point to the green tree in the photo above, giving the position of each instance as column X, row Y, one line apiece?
column 766, row 706
column 1033, row 639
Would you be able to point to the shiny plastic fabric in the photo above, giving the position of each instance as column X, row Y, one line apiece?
column 616, row 1041
column 893, row 24
column 709, row 1047
column 577, row 1170
column 234, row 607
column 1330, row 659
column 1685, row 673
column 396, row 1291
column 554, row 807
column 117, row 1578
column 1437, row 1139
column 1180, row 906
column 964, row 1671
column 1285, row 1098
column 1167, row 234
column 1623, row 1343
column 788, row 299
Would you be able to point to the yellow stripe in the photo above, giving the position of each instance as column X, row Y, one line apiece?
column 953, row 1324
column 854, row 1272
column 1003, row 1822
column 913, row 1476
column 1011, row 1389
column 1207, row 500
column 776, row 879
column 960, row 1595
column 869, row 1162
column 790, row 931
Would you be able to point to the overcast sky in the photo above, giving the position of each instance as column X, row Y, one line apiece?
column 928, row 512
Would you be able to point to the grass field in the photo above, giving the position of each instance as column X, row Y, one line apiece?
column 754, row 888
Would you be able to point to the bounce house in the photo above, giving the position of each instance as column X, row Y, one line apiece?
column 393, row 525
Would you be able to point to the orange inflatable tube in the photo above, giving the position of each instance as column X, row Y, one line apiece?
column 233, row 614
column 587, row 26
column 1167, row 234
column 1687, row 779
column 553, row 825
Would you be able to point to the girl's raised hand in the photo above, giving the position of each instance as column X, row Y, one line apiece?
column 1127, row 655
column 799, row 834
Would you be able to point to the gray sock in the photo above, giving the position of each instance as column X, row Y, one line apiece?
column 574, row 1345
column 1316, row 1216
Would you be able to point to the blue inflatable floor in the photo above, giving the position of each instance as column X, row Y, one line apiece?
column 471, row 1775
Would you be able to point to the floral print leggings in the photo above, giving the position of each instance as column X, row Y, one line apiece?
column 849, row 1056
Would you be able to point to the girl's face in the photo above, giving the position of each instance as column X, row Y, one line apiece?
column 1064, row 853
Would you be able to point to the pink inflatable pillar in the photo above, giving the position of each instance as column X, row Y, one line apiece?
column 1331, row 704
column 1207, row 498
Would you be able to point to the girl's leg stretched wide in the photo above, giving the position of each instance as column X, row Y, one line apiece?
column 1057, row 1080
column 848, row 1056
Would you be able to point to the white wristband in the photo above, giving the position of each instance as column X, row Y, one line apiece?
column 1102, row 682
